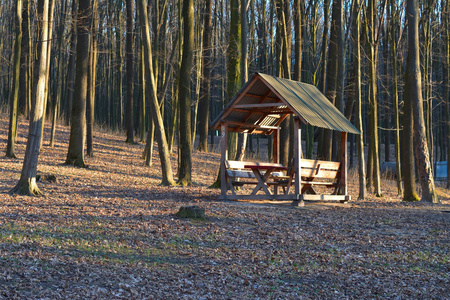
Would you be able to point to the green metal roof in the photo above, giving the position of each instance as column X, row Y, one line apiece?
column 264, row 100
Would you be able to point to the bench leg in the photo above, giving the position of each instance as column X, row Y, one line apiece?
column 298, row 203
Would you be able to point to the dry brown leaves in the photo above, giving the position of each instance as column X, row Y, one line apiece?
column 109, row 231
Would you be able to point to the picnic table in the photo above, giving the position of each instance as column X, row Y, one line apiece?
column 263, row 173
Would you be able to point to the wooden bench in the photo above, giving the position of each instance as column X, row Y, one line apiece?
column 240, row 173
column 313, row 173
column 319, row 173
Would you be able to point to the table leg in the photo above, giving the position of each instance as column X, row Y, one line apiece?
column 261, row 182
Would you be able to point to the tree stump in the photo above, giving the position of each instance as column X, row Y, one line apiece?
column 46, row 178
column 192, row 212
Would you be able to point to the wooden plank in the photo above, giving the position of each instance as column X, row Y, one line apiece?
column 223, row 158
column 344, row 174
column 297, row 155
column 236, row 164
column 262, row 97
column 304, row 182
column 259, row 197
column 240, row 174
column 260, row 105
column 307, row 197
column 329, row 165
column 242, row 183
column 276, row 145
column 242, row 124
column 326, row 174
column 251, row 111
column 261, row 183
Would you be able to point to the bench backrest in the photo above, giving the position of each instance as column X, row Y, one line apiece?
column 236, row 168
column 236, row 164
column 319, row 168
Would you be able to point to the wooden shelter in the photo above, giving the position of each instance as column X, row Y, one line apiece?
column 259, row 108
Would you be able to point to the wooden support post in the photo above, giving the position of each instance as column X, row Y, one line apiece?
column 276, row 146
column 297, row 155
column 344, row 175
column 223, row 157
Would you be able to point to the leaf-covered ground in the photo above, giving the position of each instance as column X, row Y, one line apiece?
column 109, row 232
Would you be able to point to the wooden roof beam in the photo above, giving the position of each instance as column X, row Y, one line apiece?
column 265, row 97
column 257, row 105
column 242, row 124
column 261, row 100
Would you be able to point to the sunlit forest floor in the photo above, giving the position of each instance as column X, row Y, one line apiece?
column 110, row 232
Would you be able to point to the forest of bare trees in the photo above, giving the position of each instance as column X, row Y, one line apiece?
column 164, row 69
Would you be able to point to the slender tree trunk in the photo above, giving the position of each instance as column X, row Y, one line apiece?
column 233, row 77
column 90, row 109
column 129, row 62
column 234, row 65
column 142, row 94
column 298, row 40
column 164, row 153
column 284, row 70
column 72, row 61
column 242, row 137
column 387, row 108
column 185, row 148
column 446, row 13
column 75, row 153
column 393, row 42
column 27, row 182
column 206, row 79
column 358, row 99
column 59, row 63
column 119, row 56
column 413, row 84
column 14, row 103
column 47, row 88
column 25, row 62
column 331, row 77
column 373, row 102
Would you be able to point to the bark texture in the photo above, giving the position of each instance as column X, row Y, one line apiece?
column 27, row 182
column 77, row 140
column 185, row 149
column 164, row 154
column 413, row 84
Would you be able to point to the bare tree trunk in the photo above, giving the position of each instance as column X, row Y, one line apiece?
column 413, row 84
column 298, row 40
column 393, row 42
column 14, row 103
column 75, row 153
column 446, row 13
column 357, row 94
column 91, row 82
column 129, row 66
column 27, row 182
column 72, row 61
column 164, row 153
column 284, row 70
column 206, row 79
column 234, row 65
column 332, row 76
column 142, row 94
column 242, row 137
column 56, row 104
column 119, row 79
column 47, row 88
column 185, row 148
column 373, row 102
column 25, row 62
